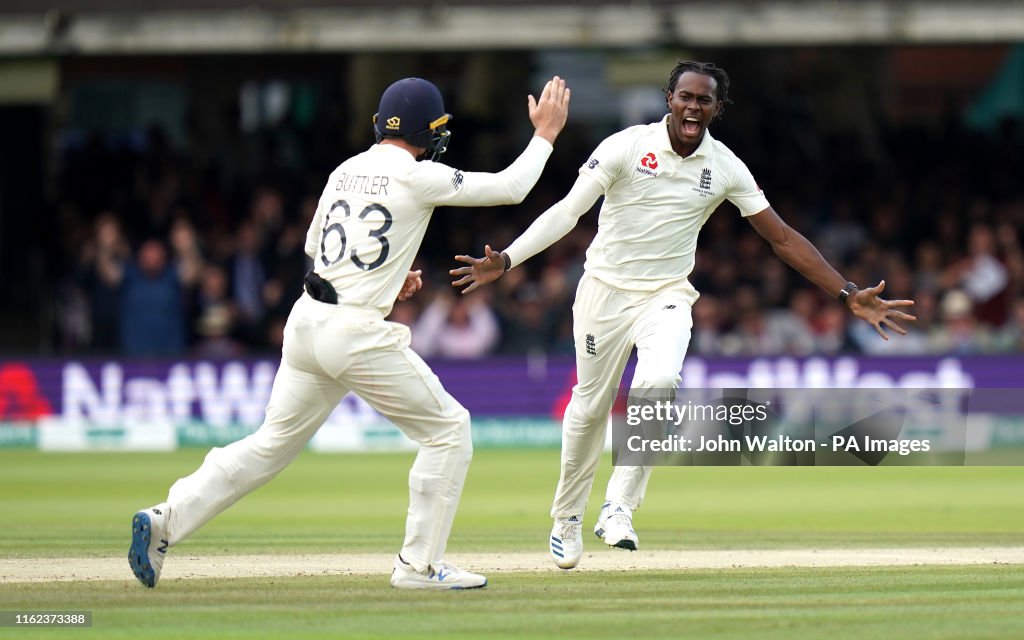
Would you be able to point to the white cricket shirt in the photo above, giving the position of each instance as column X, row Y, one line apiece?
column 656, row 203
column 374, row 211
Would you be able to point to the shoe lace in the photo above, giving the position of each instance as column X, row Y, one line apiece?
column 621, row 520
column 568, row 529
column 444, row 568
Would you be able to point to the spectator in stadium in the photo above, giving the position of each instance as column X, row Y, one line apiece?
column 267, row 212
column 214, row 331
column 960, row 332
column 105, row 259
column 928, row 267
column 1010, row 337
column 527, row 325
column 187, row 253
column 217, row 313
column 982, row 276
column 706, row 336
column 758, row 332
column 829, row 327
column 248, row 277
column 453, row 327
column 1011, row 253
column 152, row 321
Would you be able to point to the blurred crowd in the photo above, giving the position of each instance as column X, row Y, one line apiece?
column 159, row 252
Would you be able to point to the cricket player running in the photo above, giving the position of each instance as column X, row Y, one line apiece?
column 368, row 226
column 660, row 183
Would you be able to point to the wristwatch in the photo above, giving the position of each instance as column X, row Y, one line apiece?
column 845, row 292
column 508, row 260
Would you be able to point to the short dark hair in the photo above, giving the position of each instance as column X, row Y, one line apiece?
column 706, row 69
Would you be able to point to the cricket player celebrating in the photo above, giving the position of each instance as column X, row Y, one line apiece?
column 660, row 184
column 368, row 226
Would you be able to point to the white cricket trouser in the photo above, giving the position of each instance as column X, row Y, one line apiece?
column 607, row 322
column 330, row 350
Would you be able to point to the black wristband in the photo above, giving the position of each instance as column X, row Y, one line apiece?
column 845, row 292
column 508, row 260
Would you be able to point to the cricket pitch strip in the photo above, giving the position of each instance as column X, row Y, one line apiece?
column 185, row 566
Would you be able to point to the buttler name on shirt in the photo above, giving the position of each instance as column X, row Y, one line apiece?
column 365, row 185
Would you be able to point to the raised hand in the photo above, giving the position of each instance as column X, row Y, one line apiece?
column 549, row 114
column 480, row 270
column 879, row 313
column 413, row 283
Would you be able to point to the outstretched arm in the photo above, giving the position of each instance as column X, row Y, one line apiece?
column 509, row 186
column 547, row 229
column 798, row 252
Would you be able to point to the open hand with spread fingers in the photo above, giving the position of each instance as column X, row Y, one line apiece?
column 480, row 270
column 413, row 283
column 549, row 113
column 878, row 312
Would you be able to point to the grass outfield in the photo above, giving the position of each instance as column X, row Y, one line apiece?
column 76, row 504
column 911, row 602
column 80, row 505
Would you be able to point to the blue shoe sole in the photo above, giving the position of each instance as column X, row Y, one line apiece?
column 138, row 553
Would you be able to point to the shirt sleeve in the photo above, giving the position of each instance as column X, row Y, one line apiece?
column 605, row 165
column 553, row 224
column 443, row 185
column 313, row 233
column 745, row 193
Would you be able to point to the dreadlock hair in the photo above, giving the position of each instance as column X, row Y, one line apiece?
column 706, row 69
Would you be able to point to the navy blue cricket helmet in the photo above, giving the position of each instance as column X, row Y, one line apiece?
column 412, row 109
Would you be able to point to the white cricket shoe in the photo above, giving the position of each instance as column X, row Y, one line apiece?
column 149, row 544
column 443, row 576
column 566, row 542
column 615, row 526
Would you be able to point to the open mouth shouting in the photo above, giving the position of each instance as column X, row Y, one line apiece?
column 691, row 126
